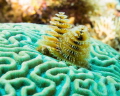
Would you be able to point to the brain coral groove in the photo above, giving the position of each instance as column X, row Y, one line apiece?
column 26, row 72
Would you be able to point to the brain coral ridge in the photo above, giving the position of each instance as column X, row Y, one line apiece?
column 26, row 72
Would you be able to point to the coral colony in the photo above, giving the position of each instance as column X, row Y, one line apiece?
column 26, row 72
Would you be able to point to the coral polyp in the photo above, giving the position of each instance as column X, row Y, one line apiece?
column 69, row 44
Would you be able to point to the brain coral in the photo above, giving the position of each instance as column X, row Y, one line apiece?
column 26, row 72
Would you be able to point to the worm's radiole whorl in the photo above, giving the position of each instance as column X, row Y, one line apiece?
column 69, row 44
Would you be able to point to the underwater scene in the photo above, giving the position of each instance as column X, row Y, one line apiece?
column 59, row 48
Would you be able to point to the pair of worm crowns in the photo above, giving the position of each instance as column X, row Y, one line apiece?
column 66, row 43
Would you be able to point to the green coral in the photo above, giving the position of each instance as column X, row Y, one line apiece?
column 26, row 72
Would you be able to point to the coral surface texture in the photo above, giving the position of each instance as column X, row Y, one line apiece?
column 26, row 72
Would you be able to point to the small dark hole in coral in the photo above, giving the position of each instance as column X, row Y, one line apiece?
column 117, row 49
